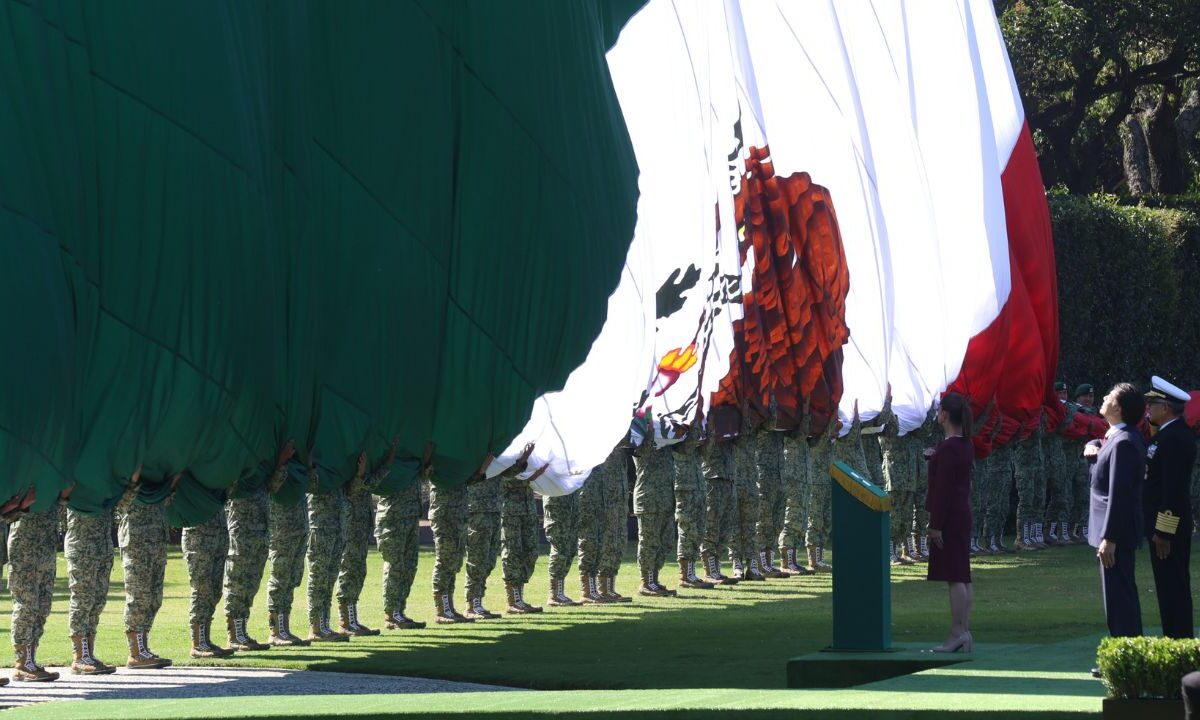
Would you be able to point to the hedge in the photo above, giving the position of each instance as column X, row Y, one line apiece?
column 1146, row 667
column 1129, row 290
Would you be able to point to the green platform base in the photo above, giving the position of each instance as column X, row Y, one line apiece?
column 840, row 669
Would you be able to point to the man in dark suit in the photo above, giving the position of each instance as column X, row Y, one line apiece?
column 1166, row 499
column 1115, row 525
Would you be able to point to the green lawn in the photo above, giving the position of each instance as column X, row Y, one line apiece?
column 739, row 637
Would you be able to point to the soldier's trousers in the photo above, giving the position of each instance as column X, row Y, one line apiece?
column 819, row 510
column 326, row 540
column 143, row 533
column 978, row 511
column 795, row 514
column 88, row 548
column 562, row 531
column 483, row 547
column 720, row 516
column 32, row 546
column 615, row 529
column 1080, row 490
column 1058, row 489
column 249, row 530
column 745, row 527
column 357, row 512
column 286, row 551
column 656, row 540
column 448, row 520
column 690, row 512
column 397, row 535
column 519, row 534
column 1000, row 481
column 591, row 524
column 771, row 510
column 205, row 548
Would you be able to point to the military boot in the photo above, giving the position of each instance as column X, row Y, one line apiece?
column 476, row 610
column 239, row 639
column 973, row 548
column 446, row 614
column 687, row 576
column 558, row 594
column 26, row 667
column 753, row 572
column 516, row 600
column 350, row 624
column 908, row 550
column 140, row 655
column 281, row 633
column 589, row 593
column 899, row 556
column 712, row 571
column 737, row 572
column 923, row 548
column 320, row 632
column 608, row 589
column 82, row 660
column 647, row 589
column 1023, row 543
column 668, row 592
column 1052, row 534
column 791, row 567
column 822, row 566
column 399, row 621
column 993, row 547
column 202, row 644
column 767, row 567
column 812, row 559
column 1038, row 538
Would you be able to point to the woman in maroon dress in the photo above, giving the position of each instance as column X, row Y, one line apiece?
column 948, row 501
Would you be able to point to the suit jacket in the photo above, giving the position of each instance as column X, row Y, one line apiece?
column 1116, row 485
column 1169, row 458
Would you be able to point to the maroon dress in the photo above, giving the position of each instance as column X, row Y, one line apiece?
column 948, row 501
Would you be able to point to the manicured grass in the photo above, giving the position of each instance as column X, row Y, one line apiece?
column 739, row 637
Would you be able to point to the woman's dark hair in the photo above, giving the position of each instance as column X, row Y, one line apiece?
column 1131, row 402
column 958, row 411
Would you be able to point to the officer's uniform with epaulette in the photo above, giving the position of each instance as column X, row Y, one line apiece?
column 1167, row 507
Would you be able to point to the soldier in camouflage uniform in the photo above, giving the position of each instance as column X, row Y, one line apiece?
column 143, row 533
column 717, row 463
column 31, row 551
column 88, row 548
column 248, row 514
column 600, row 504
column 744, row 552
column 484, row 506
column 205, row 547
column 897, row 468
column 448, row 507
column 654, row 506
column 820, row 509
column 357, row 513
column 768, row 462
column 518, row 533
column 326, row 542
column 1000, row 484
column 397, row 535
column 1058, row 484
column 561, row 525
column 848, row 449
column 796, row 470
column 614, row 530
column 689, row 487
column 286, row 550
column 927, row 436
column 1029, row 468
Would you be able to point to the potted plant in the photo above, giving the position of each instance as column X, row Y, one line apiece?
column 1142, row 675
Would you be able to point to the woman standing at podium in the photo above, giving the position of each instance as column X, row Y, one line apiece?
column 948, row 501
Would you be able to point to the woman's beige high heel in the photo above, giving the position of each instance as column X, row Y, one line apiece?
column 963, row 643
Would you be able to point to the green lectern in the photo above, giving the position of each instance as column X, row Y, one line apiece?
column 862, row 590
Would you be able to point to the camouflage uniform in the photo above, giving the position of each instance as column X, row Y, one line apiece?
column 768, row 460
column 397, row 535
column 873, row 452
column 1058, row 485
column 654, row 506
column 518, row 531
column 598, row 510
column 927, row 436
column 897, row 468
column 484, row 506
column 820, row 508
column 689, row 486
column 326, row 541
column 448, row 521
column 249, row 530
column 88, row 548
column 357, row 511
column 796, row 473
column 717, row 463
column 31, row 552
column 615, row 529
column 143, row 533
column 745, row 486
column 999, row 483
column 287, row 548
column 205, row 547
column 1030, row 477
column 562, row 531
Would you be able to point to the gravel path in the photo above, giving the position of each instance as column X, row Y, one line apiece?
column 192, row 682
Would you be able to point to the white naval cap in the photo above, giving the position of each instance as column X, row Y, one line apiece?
column 1163, row 390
